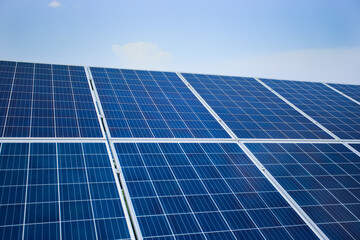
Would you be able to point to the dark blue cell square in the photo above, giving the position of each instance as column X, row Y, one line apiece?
column 112, row 228
column 207, row 172
column 227, row 201
column 301, row 232
column 42, row 212
column 216, row 186
column 103, row 190
column 174, row 205
column 264, row 218
column 309, row 183
column 141, row 189
column 13, row 177
column 11, row 214
column 318, row 214
column 42, row 193
column 48, row 176
column 275, row 233
column 249, row 234
column 42, row 231
column 78, row 210
column 70, row 192
column 344, row 196
column 273, row 199
column 354, row 209
column 97, row 160
column 240, row 185
column 100, row 175
column 160, row 173
column 127, row 160
column 12, row 195
column 287, row 216
column 43, row 161
column 78, row 230
column 340, row 213
column 184, row 173
column 183, row 223
column 303, row 198
column 201, row 203
column 211, row 222
column 72, row 175
column 238, row 220
column 192, row 187
column 11, row 232
column 167, row 188
column 289, row 183
column 251, row 200
column 335, row 230
column 71, row 161
column 147, row 206
column 135, row 174
column 109, row 208
column 261, row 184
column 154, row 226
column 324, row 197
column 353, row 228
column 154, row 160
column 13, row 161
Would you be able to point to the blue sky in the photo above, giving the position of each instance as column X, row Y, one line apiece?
column 312, row 40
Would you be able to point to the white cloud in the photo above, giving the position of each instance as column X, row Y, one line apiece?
column 339, row 65
column 142, row 55
column 54, row 4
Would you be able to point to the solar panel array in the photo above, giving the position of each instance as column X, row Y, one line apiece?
column 251, row 110
column 352, row 91
column 204, row 191
column 149, row 104
column 324, row 179
column 59, row 191
column 43, row 100
column 332, row 110
column 103, row 153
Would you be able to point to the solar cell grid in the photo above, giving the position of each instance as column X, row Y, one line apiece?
column 251, row 110
column 63, row 190
column 207, row 190
column 149, row 104
column 352, row 91
column 43, row 100
column 324, row 179
column 335, row 112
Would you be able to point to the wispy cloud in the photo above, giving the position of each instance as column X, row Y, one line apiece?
column 325, row 65
column 54, row 4
column 142, row 55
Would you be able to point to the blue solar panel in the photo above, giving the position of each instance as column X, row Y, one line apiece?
column 43, row 100
column 356, row 146
column 204, row 191
column 148, row 104
column 324, row 179
column 335, row 112
column 352, row 91
column 63, row 190
column 251, row 110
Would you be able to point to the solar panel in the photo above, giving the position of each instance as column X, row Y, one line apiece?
column 43, row 100
column 251, row 110
column 149, row 104
column 204, row 191
column 59, row 191
column 332, row 110
column 324, row 179
column 352, row 91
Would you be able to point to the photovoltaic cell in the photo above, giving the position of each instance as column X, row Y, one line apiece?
column 251, row 110
column 352, row 91
column 149, row 104
column 335, row 112
column 324, row 179
column 63, row 190
column 43, row 100
column 204, row 191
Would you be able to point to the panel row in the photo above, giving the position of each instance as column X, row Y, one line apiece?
column 59, row 191
column 43, row 100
